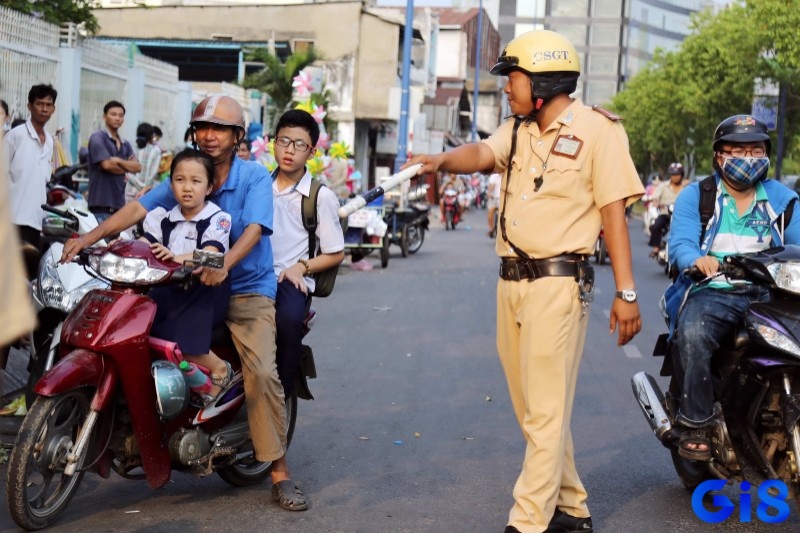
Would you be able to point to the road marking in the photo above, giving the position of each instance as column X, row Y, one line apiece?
column 632, row 352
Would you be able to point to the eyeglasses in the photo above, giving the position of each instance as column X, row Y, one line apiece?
column 742, row 152
column 299, row 145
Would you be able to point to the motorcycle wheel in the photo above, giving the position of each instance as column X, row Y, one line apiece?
column 385, row 253
column 602, row 252
column 691, row 473
column 416, row 236
column 448, row 224
column 246, row 471
column 404, row 241
column 36, row 487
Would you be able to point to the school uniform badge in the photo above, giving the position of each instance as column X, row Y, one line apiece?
column 224, row 224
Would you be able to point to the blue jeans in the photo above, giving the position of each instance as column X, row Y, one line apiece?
column 707, row 316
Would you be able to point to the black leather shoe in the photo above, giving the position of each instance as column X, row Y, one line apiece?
column 565, row 523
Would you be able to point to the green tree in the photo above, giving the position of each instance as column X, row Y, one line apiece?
column 58, row 11
column 275, row 79
column 672, row 107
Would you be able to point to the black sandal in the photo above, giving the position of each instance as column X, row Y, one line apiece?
column 289, row 496
column 691, row 440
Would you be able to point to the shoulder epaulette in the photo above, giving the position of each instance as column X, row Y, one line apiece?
column 606, row 113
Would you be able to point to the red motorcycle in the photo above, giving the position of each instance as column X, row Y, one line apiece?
column 452, row 211
column 116, row 399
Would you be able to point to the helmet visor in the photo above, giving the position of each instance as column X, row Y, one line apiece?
column 504, row 65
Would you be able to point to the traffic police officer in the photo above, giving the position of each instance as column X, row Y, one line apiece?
column 566, row 173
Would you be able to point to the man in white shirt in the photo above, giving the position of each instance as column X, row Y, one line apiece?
column 29, row 152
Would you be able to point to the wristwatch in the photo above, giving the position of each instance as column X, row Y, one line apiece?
column 627, row 295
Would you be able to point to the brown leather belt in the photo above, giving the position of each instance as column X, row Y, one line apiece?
column 515, row 269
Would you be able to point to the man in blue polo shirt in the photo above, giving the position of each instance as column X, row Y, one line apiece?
column 110, row 157
column 243, row 189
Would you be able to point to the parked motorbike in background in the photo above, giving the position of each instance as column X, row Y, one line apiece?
column 600, row 250
column 57, row 288
column 451, row 209
column 406, row 227
column 756, row 378
column 117, row 399
column 62, row 189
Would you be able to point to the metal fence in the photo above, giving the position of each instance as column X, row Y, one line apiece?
column 159, row 96
column 104, row 77
column 33, row 52
column 28, row 56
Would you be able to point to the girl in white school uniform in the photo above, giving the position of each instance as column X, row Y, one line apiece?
column 188, row 317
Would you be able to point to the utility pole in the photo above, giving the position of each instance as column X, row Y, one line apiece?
column 478, row 51
column 402, row 134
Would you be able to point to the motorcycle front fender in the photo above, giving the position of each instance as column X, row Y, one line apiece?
column 79, row 368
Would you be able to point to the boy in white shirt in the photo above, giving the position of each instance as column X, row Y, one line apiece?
column 296, row 136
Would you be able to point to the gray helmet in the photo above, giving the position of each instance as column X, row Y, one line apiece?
column 172, row 393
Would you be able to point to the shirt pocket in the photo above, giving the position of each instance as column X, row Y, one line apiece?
column 516, row 167
column 562, row 179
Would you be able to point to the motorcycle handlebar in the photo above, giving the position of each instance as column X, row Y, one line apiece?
column 64, row 214
column 725, row 269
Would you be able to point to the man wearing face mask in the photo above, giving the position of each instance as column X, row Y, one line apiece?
column 750, row 214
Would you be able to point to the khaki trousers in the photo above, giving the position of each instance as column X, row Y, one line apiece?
column 541, row 328
column 251, row 319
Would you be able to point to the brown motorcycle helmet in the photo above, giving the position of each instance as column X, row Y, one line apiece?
column 219, row 109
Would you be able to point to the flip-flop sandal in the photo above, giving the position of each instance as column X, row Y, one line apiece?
column 289, row 496
column 695, row 437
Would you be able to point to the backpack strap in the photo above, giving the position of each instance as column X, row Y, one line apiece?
column 708, row 197
column 166, row 229
column 202, row 225
column 308, row 209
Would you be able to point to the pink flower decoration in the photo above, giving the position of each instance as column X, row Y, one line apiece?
column 259, row 146
column 319, row 113
column 302, row 83
column 324, row 141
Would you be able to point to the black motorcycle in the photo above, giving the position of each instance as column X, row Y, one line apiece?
column 756, row 375
column 407, row 226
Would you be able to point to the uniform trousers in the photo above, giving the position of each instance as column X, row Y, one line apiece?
column 251, row 320
column 541, row 328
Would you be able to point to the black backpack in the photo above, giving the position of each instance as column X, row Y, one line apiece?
column 324, row 280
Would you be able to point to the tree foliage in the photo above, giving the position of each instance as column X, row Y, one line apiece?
column 58, row 11
column 275, row 79
column 672, row 107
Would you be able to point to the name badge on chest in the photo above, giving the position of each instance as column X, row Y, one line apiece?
column 568, row 146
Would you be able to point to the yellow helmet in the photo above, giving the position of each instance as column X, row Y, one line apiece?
column 536, row 52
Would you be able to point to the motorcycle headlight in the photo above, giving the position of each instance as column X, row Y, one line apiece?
column 52, row 293
column 786, row 276
column 777, row 339
column 128, row 270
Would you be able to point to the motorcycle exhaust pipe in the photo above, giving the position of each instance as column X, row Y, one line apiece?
column 651, row 401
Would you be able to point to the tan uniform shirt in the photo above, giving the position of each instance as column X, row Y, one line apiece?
column 16, row 312
column 584, row 163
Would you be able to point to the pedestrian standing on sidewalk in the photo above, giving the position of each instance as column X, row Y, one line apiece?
column 110, row 157
column 149, row 156
column 29, row 155
column 567, row 172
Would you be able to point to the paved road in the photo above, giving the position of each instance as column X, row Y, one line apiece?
column 412, row 430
